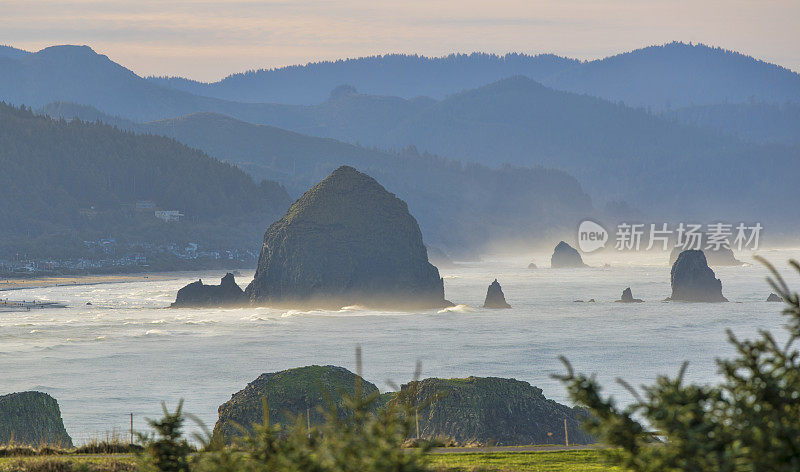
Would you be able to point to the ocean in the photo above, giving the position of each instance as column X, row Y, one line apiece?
column 126, row 352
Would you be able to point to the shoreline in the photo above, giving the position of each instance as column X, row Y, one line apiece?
column 18, row 283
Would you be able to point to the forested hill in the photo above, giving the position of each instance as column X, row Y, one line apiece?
column 660, row 77
column 448, row 198
column 83, row 180
column 399, row 75
column 679, row 75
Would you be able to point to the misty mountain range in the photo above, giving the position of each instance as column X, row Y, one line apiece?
column 661, row 77
column 672, row 130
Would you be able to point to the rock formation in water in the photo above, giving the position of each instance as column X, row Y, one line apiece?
column 773, row 297
column 32, row 418
column 289, row 393
column 197, row 294
column 627, row 297
column 493, row 410
column 532, row 266
column 347, row 241
column 693, row 281
column 565, row 255
column 723, row 256
column 495, row 297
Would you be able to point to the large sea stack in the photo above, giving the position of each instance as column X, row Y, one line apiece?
column 693, row 281
column 495, row 297
column 493, row 410
column 347, row 241
column 33, row 419
column 289, row 393
column 719, row 257
column 565, row 256
column 198, row 294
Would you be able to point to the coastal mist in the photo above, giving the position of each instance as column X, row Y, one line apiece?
column 127, row 352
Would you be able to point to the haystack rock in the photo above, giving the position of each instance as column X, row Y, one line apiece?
column 565, row 256
column 627, row 297
column 198, row 294
column 495, row 297
column 346, row 241
column 693, row 281
column 773, row 297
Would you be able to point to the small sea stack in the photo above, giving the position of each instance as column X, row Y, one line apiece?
column 627, row 297
column 773, row 297
column 693, row 281
column 495, row 297
column 532, row 266
column 198, row 294
column 565, row 256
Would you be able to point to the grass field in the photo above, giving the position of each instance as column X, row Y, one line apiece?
column 560, row 461
column 70, row 463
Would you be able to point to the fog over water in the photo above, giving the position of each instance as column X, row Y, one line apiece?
column 126, row 352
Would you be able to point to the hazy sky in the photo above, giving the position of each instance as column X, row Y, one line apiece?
column 207, row 40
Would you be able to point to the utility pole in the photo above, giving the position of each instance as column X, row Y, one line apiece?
column 566, row 433
column 131, row 429
column 308, row 421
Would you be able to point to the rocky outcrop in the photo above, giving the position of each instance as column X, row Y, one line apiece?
column 197, row 294
column 693, row 281
column 773, row 297
column 565, row 256
column 489, row 409
column 627, row 297
column 289, row 393
column 32, row 418
column 532, row 266
column 723, row 256
column 347, row 241
column 495, row 297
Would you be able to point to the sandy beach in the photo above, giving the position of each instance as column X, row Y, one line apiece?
column 38, row 282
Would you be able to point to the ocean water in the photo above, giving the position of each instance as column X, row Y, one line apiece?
column 126, row 353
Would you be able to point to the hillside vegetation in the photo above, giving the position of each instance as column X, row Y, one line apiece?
column 660, row 77
column 446, row 197
column 74, row 180
column 32, row 418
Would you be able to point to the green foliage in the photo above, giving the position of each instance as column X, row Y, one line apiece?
column 291, row 392
column 33, row 419
column 538, row 461
column 68, row 464
column 168, row 451
column 748, row 422
column 364, row 439
column 52, row 169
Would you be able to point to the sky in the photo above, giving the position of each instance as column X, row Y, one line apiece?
column 207, row 40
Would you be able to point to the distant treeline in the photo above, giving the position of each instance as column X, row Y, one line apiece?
column 78, row 180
